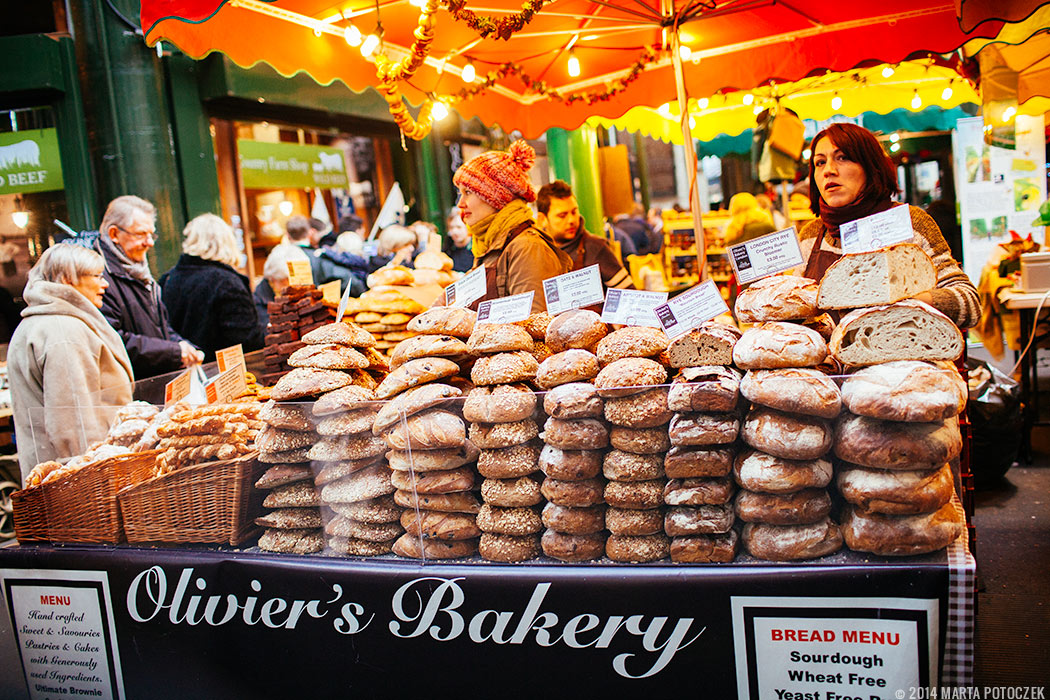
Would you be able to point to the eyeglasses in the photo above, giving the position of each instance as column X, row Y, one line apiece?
column 151, row 236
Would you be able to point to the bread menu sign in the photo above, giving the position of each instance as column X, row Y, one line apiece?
column 468, row 288
column 573, row 290
column 691, row 308
column 506, row 310
column 764, row 256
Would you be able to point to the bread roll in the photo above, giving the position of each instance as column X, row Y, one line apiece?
column 573, row 548
column 703, row 429
column 906, row 391
column 640, row 441
column 794, row 390
column 798, row 508
column 896, row 492
column 704, row 549
column 501, row 403
column 699, row 520
column 629, row 376
column 504, row 368
column 415, row 372
column 774, row 345
column 792, row 542
column 573, row 401
column 645, row 410
column 578, row 328
column 637, row 550
column 709, row 344
column 787, row 435
column 490, row 338
column 633, row 341
column 878, row 277
column 710, row 388
column 444, row 320
column 570, row 366
column 901, row 535
column 777, row 298
column 907, row 330
column 631, row 521
column 583, row 434
column 508, row 549
column 882, row 444
column 690, row 462
column 758, row 471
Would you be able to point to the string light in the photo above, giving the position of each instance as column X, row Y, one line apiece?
column 664, row 109
column 888, row 72
column 703, row 102
column 370, row 45
column 439, row 111
column 895, row 147
column 756, row 110
column 749, row 98
column 574, row 65
column 1009, row 113
column 469, row 73
column 806, row 153
column 836, row 102
column 946, row 94
column 685, row 52
column 692, row 122
column 916, row 101
column 895, row 137
column 352, row 35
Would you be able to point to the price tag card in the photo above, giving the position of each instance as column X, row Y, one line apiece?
column 178, row 388
column 227, row 386
column 228, row 358
column 467, row 289
column 330, row 291
column 573, row 290
column 299, row 273
column 691, row 308
column 877, row 231
column 344, row 302
column 630, row 307
column 506, row 310
column 764, row 256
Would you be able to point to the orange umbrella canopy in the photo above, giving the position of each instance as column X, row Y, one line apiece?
column 621, row 46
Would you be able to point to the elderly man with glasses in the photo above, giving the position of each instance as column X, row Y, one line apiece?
column 133, row 304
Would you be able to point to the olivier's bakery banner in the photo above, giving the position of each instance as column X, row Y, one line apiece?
column 146, row 623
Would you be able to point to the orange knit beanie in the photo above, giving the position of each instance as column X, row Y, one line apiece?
column 499, row 177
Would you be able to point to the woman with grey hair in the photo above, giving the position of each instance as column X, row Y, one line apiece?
column 65, row 363
column 210, row 303
column 275, row 278
column 397, row 246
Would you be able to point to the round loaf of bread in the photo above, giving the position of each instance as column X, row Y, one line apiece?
column 333, row 471
column 774, row 345
column 706, row 491
column 490, row 338
column 512, row 493
column 290, row 416
column 414, row 373
column 413, row 401
column 633, row 341
column 705, row 549
column 374, row 510
column 794, row 390
column 896, row 492
column 583, row 434
column 575, row 494
column 456, row 321
column 699, row 520
column 574, row 521
column 465, row 502
column 431, row 430
column 432, row 460
column 630, row 521
column 501, row 403
column 434, row 525
column 778, row 298
column 576, row 329
column 645, row 410
column 640, row 441
column 417, row 548
column 798, row 508
column 572, row 401
column 370, row 532
column 355, row 547
column 572, row 548
column 508, row 548
column 639, row 495
column 504, row 368
column 627, row 466
column 787, row 435
column 427, row 346
column 764, row 473
column 509, row 521
column 449, row 481
column 570, row 465
column 792, row 542
column 702, row 429
column 690, row 462
column 347, row 398
column 901, row 535
column 883, row 444
column 536, row 325
column 629, row 376
column 492, row 436
column 569, row 366
column 637, row 550
column 710, row 389
column 509, row 462
column 907, row 391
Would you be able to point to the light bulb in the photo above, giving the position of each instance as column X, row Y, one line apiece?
column 664, row 109
column 895, row 147
column 806, row 154
column 352, row 35
column 370, row 45
column 439, row 111
column 916, row 101
column 286, row 207
column 685, row 52
column 894, row 138
column 21, row 218
column 888, row 72
column 946, row 94
column 417, row 3
column 836, row 102
column 469, row 73
column 703, row 102
column 1009, row 113
column 749, row 98
column 574, row 65
column 756, row 110
column 692, row 123
column 317, row 29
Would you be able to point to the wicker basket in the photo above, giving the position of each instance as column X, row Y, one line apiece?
column 81, row 507
column 214, row 502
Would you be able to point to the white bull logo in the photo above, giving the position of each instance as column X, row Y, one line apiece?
column 331, row 162
column 20, row 154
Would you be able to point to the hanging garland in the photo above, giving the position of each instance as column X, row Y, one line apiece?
column 501, row 27
column 390, row 73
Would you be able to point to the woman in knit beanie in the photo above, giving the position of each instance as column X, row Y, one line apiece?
column 495, row 192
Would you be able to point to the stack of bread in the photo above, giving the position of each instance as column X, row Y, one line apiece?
column 431, row 458
column 384, row 310
column 705, row 396
column 783, row 477
column 900, row 430
column 501, row 409
column 433, row 267
column 632, row 383
column 575, row 439
column 206, row 434
column 296, row 311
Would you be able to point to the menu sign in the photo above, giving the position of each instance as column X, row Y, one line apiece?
column 229, row 358
column 877, row 231
column 573, row 290
column 506, row 310
column 227, row 386
column 691, row 308
column 630, row 307
column 467, row 289
column 764, row 256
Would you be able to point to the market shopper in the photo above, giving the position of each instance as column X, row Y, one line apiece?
column 559, row 216
column 635, row 226
column 495, row 192
column 209, row 302
column 133, row 304
column 323, row 267
column 747, row 220
column 457, row 243
column 852, row 177
column 397, row 246
column 274, row 279
column 66, row 364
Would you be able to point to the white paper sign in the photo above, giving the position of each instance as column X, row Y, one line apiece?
column 630, row 307
column 877, row 231
column 691, row 308
column 63, row 625
column 834, row 647
column 764, row 256
column 573, row 290
column 467, row 289
column 506, row 310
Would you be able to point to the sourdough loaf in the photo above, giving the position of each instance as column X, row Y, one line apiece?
column 777, row 298
column 907, row 330
column 878, row 277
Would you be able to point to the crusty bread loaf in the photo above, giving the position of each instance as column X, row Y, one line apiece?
column 637, row 550
column 303, row 541
column 645, row 410
column 411, row 402
column 570, row 465
column 777, row 298
column 640, row 441
column 417, row 548
column 878, row 277
column 688, row 462
column 447, row 481
column 444, row 320
column 327, row 472
column 347, row 398
column 465, row 502
column 787, row 435
column 504, row 368
column 536, row 325
column 627, row 466
column 328, row 356
column 699, row 520
column 509, row 462
column 703, row 429
column 764, row 473
column 709, row 388
column 633, row 341
column 304, row 382
column 509, row 521
column 906, row 390
column 705, row 549
column 430, row 430
column 340, row 333
column 500, row 403
column 574, row 521
column 291, row 416
column 711, row 343
column 907, row 330
column 578, row 328
column 375, row 510
column 775, row 344
column 704, row 491
column 415, row 372
column 395, row 276
column 489, row 338
column 570, row 366
column 432, row 460
column 435, row 525
column 798, row 508
column 581, row 434
column 572, row 548
column 573, row 401
column 879, row 444
column 896, row 492
column 631, row 375
column 521, row 492
column 792, row 542
column 370, row 532
column 427, row 346
column 901, row 535
column 347, row 423
column 359, row 486
column 508, row 549
column 631, row 521
column 793, row 389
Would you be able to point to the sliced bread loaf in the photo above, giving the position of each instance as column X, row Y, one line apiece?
column 878, row 277
column 907, row 330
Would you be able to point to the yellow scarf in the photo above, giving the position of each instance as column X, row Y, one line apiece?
column 490, row 233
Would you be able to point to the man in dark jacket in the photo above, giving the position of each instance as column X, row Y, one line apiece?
column 132, row 303
column 635, row 226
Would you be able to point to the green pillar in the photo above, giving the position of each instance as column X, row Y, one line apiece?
column 586, row 182
column 431, row 197
column 558, row 160
column 642, row 161
column 195, row 152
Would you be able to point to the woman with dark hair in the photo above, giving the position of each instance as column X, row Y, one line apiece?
column 851, row 177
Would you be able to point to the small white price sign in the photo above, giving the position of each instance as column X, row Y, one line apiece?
column 691, row 308
column 764, row 256
column 631, row 307
column 573, row 290
column 506, row 310
column 231, row 357
column 467, row 289
column 877, row 231
column 299, row 273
